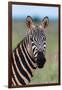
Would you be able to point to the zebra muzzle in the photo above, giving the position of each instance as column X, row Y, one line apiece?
column 41, row 60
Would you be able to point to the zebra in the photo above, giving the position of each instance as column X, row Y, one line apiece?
column 29, row 53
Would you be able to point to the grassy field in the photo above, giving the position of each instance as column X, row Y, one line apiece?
column 48, row 74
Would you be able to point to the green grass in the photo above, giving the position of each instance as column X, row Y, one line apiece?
column 48, row 74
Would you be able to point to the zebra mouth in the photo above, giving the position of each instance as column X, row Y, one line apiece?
column 40, row 60
column 41, row 66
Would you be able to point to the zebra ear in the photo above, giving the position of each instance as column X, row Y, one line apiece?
column 45, row 22
column 29, row 21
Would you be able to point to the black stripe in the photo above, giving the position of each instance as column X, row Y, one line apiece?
column 20, row 68
column 28, row 58
column 44, row 47
column 44, row 42
column 35, row 53
column 34, row 49
column 23, row 61
column 33, row 44
column 18, row 76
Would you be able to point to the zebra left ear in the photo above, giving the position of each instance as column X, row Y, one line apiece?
column 45, row 22
column 29, row 22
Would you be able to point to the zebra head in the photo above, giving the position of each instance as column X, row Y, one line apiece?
column 38, row 39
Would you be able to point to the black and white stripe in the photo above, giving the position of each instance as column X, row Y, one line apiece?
column 23, row 65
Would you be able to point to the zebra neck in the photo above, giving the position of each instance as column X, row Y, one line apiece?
column 29, row 51
column 23, row 65
column 31, row 48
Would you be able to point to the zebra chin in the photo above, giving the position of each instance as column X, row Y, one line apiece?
column 41, row 60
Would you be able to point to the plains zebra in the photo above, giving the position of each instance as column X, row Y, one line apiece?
column 29, row 53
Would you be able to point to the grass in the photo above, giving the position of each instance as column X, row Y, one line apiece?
column 48, row 74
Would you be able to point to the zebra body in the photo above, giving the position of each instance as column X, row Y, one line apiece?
column 24, row 62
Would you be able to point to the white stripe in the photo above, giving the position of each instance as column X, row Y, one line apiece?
column 22, row 64
column 35, row 56
column 26, row 59
column 45, row 45
column 35, row 51
column 34, row 64
column 32, row 42
column 26, row 81
column 15, row 76
column 14, row 84
column 44, row 41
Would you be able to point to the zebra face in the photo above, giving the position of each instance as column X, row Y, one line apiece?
column 39, row 46
column 38, row 39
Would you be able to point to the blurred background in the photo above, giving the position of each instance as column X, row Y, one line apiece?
column 48, row 74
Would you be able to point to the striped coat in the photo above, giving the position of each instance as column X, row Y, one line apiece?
column 23, row 65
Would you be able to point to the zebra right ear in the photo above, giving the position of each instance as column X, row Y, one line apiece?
column 29, row 22
column 45, row 22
